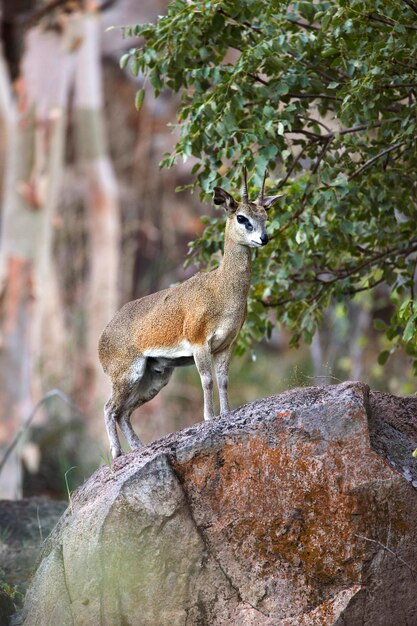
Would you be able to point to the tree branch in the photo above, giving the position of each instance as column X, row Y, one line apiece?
column 293, row 166
column 406, row 65
column 342, row 273
column 405, row 85
column 303, row 24
column 346, row 292
column 27, row 422
column 314, row 121
column 322, row 155
column 258, row 79
column 307, row 133
column 315, row 69
column 336, row 133
column 352, row 292
column 387, row 21
column 356, row 129
column 314, row 96
column 371, row 161
column 316, row 166
column 411, row 4
column 346, row 272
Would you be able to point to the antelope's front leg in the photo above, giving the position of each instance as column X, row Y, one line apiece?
column 221, row 364
column 202, row 358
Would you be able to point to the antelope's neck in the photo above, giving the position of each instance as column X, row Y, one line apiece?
column 236, row 266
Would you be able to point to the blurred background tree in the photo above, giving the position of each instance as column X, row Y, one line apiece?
column 320, row 93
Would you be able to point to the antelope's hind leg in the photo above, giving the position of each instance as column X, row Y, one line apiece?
column 155, row 376
column 152, row 377
column 127, row 430
column 119, row 407
column 111, row 414
column 118, row 411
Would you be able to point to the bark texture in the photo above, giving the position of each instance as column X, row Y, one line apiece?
column 34, row 168
column 102, row 207
column 280, row 514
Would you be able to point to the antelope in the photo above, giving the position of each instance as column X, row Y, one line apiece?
column 194, row 322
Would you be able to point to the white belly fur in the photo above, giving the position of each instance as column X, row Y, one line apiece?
column 171, row 352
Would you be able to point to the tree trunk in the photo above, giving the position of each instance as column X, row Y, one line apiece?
column 33, row 179
column 103, row 213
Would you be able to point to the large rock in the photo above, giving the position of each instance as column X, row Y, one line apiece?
column 280, row 514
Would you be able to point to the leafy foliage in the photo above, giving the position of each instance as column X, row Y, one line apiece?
column 324, row 95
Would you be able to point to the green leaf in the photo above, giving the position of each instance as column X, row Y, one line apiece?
column 135, row 66
column 383, row 357
column 410, row 328
column 139, row 98
column 124, row 60
column 379, row 324
column 300, row 236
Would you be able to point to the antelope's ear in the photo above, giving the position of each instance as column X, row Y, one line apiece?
column 222, row 198
column 268, row 201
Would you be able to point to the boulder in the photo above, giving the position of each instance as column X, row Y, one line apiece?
column 295, row 510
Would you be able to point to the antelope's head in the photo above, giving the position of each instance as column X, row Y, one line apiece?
column 246, row 219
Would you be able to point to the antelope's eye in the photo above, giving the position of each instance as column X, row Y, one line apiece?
column 241, row 219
